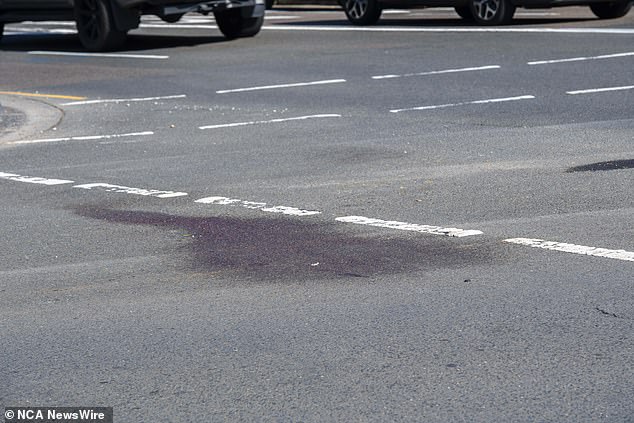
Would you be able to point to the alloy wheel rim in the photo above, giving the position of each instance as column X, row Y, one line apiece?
column 357, row 8
column 89, row 21
column 486, row 10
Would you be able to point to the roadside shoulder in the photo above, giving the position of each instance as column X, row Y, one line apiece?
column 22, row 118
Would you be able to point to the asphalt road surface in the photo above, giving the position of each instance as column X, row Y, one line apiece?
column 422, row 220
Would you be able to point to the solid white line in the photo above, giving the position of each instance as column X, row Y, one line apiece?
column 196, row 24
column 441, row 106
column 83, row 138
column 225, row 201
column 572, row 248
column 611, row 31
column 27, row 31
column 115, row 55
column 33, row 179
column 290, row 27
column 537, row 14
column 123, row 100
column 480, row 68
column 270, row 87
column 293, row 211
column 178, row 26
column 129, row 190
column 257, row 122
column 579, row 59
column 267, row 17
column 403, row 226
column 600, row 90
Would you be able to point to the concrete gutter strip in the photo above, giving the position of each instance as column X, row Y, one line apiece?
column 22, row 118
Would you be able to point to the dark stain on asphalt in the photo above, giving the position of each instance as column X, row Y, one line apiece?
column 610, row 165
column 10, row 120
column 284, row 247
column 606, row 313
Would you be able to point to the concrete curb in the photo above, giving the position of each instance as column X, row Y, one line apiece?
column 22, row 118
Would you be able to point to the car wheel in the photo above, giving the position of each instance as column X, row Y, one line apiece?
column 95, row 25
column 611, row 10
column 465, row 13
column 362, row 12
column 171, row 18
column 492, row 12
column 233, row 25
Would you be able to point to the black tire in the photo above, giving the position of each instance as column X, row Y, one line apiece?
column 611, row 10
column 171, row 18
column 233, row 25
column 492, row 12
column 269, row 4
column 465, row 13
column 362, row 12
column 96, row 27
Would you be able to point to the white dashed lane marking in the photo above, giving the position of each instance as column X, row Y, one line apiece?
column 123, row 100
column 403, row 226
column 439, row 72
column 581, row 59
column 291, row 85
column 600, row 90
column 130, row 190
column 225, row 201
column 573, row 248
column 258, row 122
column 33, row 179
column 466, row 103
column 82, row 138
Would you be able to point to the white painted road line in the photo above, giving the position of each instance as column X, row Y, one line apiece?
column 403, row 226
column 572, row 248
column 225, row 201
column 396, row 12
column 442, row 106
column 112, row 55
column 472, row 69
column 580, row 59
column 37, row 31
column 178, row 26
column 83, row 138
column 258, row 122
column 10, row 30
column 201, row 23
column 608, row 31
column 600, row 90
column 33, row 179
column 268, row 17
column 536, row 14
column 292, row 85
column 129, row 190
column 124, row 100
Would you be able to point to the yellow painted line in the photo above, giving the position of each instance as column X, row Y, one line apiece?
column 64, row 97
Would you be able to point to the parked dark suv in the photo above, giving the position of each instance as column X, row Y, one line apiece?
column 483, row 12
column 103, row 24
